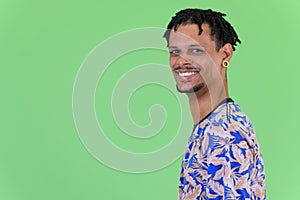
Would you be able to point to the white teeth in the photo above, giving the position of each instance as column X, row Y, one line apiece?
column 186, row 73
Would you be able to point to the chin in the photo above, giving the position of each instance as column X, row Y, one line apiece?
column 193, row 89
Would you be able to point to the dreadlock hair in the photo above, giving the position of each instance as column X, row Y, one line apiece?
column 221, row 30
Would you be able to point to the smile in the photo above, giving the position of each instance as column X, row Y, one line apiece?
column 186, row 73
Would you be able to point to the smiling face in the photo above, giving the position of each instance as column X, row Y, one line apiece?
column 194, row 59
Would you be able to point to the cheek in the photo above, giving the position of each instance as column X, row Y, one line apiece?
column 173, row 61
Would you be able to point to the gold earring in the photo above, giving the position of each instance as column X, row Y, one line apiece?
column 225, row 63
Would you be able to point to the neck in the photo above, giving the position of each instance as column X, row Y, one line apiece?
column 203, row 102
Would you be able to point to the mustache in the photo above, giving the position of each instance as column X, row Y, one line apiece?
column 187, row 68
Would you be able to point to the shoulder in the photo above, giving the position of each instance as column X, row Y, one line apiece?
column 230, row 124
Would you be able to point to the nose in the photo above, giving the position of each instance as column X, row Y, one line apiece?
column 183, row 61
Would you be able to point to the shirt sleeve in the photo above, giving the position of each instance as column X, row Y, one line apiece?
column 234, row 165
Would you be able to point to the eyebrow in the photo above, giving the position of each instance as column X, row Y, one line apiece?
column 191, row 45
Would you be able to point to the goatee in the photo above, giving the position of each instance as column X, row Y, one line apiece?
column 192, row 89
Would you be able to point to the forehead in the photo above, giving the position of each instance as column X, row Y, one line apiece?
column 188, row 35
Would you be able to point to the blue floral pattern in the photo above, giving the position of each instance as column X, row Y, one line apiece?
column 223, row 159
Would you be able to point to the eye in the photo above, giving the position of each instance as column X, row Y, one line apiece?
column 196, row 51
column 175, row 52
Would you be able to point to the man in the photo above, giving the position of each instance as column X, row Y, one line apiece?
column 222, row 159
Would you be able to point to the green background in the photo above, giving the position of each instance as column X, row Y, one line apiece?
column 42, row 45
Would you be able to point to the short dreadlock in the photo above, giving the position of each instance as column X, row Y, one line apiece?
column 221, row 30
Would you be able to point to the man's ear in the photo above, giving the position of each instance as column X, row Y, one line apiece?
column 227, row 51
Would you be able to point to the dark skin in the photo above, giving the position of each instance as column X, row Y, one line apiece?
column 198, row 66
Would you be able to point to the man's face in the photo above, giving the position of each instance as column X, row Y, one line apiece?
column 194, row 60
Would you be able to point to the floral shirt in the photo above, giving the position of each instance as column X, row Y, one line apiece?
column 223, row 159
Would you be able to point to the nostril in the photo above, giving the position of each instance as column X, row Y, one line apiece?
column 182, row 61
